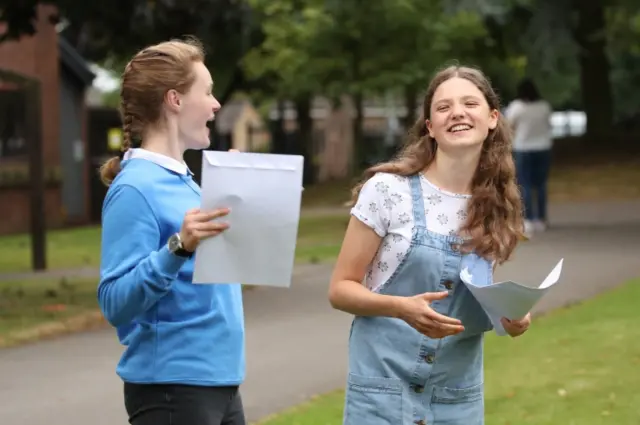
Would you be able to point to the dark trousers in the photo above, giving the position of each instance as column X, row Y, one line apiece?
column 532, row 171
column 183, row 405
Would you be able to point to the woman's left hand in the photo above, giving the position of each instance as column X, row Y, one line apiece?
column 516, row 327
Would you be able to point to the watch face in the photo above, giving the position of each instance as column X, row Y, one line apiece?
column 174, row 243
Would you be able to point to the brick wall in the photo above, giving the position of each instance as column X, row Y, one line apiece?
column 35, row 56
column 16, row 219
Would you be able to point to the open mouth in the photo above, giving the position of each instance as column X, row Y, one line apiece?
column 209, row 124
column 459, row 128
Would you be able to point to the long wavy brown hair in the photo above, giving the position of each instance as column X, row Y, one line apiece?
column 494, row 221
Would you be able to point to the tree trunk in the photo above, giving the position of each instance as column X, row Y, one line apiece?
column 278, row 133
column 595, row 68
column 360, row 150
column 305, row 137
column 411, row 103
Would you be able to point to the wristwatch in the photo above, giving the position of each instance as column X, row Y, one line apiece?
column 175, row 246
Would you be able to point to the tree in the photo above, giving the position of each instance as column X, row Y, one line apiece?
column 361, row 48
column 291, row 61
column 623, row 33
column 96, row 29
column 566, row 45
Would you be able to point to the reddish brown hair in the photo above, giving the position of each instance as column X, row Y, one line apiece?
column 146, row 79
column 494, row 223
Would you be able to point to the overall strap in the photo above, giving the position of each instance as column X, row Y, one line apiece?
column 418, row 202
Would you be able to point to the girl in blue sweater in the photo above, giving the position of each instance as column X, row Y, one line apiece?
column 184, row 343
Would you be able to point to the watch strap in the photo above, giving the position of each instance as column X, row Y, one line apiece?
column 181, row 252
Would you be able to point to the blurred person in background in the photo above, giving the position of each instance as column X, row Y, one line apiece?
column 529, row 116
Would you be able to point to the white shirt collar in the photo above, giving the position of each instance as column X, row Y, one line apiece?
column 159, row 159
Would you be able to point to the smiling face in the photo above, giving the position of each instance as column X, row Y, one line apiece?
column 460, row 116
column 196, row 108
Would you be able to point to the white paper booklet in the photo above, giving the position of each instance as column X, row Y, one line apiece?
column 264, row 192
column 509, row 299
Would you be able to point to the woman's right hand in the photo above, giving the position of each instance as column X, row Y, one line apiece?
column 198, row 225
column 417, row 312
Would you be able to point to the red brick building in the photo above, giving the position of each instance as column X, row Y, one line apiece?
column 64, row 76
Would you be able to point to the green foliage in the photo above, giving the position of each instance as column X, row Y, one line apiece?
column 96, row 29
column 111, row 99
column 291, row 48
column 333, row 47
column 288, row 49
column 623, row 25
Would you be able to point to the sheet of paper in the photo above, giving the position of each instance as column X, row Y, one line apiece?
column 264, row 192
column 509, row 299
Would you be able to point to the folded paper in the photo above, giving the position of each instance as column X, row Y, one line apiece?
column 508, row 299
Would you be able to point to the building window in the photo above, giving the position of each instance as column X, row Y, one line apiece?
column 12, row 124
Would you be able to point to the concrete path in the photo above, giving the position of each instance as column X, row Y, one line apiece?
column 296, row 343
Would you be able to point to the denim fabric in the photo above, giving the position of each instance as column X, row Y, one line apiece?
column 532, row 170
column 398, row 376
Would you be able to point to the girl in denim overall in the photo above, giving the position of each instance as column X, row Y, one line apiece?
column 446, row 203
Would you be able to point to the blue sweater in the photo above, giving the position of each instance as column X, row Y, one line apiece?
column 174, row 331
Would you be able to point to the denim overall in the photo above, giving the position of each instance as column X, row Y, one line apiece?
column 398, row 376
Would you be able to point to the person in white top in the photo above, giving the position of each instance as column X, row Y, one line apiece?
column 447, row 207
column 529, row 116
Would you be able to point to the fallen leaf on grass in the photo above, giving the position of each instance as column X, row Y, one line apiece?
column 54, row 308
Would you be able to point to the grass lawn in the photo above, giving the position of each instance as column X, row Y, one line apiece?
column 576, row 366
column 610, row 179
column 319, row 238
column 328, row 194
column 68, row 248
column 27, row 305
column 30, row 308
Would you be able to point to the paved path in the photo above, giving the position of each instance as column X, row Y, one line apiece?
column 296, row 342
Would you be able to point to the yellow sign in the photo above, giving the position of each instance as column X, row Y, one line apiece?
column 114, row 139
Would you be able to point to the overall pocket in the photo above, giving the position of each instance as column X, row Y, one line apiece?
column 458, row 406
column 373, row 401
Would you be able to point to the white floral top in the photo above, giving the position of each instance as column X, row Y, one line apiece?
column 385, row 205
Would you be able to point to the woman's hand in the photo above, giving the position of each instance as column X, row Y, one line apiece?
column 417, row 312
column 198, row 225
column 516, row 327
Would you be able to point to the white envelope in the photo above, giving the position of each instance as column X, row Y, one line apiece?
column 509, row 299
column 264, row 192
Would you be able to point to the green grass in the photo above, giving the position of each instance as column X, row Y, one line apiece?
column 328, row 194
column 319, row 239
column 320, row 236
column 27, row 304
column 618, row 179
column 575, row 366
column 68, row 248
column 567, row 182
